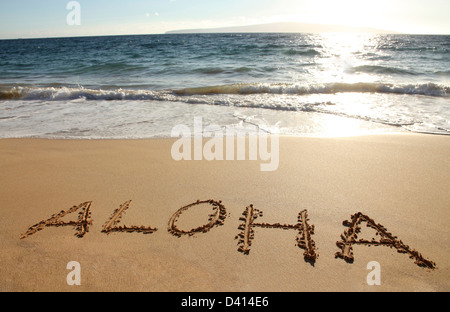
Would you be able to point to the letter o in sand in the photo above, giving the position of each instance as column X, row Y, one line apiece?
column 215, row 219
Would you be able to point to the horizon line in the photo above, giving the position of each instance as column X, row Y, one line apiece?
column 175, row 33
column 246, row 29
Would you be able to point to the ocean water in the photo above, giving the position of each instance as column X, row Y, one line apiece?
column 293, row 84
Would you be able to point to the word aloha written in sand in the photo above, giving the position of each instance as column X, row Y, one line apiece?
column 304, row 240
column 386, row 239
column 217, row 218
column 110, row 225
column 82, row 225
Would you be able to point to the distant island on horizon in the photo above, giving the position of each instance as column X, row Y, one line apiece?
column 284, row 27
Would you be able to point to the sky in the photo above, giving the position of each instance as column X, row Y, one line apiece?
column 49, row 18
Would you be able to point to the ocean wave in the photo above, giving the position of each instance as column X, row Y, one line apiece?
column 209, row 70
column 66, row 93
column 443, row 73
column 309, row 52
column 219, row 70
column 254, row 96
column 376, row 69
column 427, row 89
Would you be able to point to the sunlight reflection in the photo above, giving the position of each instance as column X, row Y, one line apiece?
column 342, row 53
column 341, row 56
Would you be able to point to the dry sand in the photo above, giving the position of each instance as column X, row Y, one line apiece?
column 401, row 182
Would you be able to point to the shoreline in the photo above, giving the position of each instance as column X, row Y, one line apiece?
column 299, row 136
column 399, row 180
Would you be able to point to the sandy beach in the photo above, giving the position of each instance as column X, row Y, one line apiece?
column 401, row 182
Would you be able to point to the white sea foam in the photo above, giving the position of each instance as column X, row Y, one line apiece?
column 65, row 93
column 419, row 108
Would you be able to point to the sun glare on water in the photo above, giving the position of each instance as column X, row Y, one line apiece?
column 341, row 53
